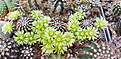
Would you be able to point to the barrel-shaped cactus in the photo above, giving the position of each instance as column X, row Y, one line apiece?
column 97, row 50
column 3, row 8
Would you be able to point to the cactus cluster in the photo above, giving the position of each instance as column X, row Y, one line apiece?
column 25, row 24
column 9, row 49
column 53, row 27
column 28, row 52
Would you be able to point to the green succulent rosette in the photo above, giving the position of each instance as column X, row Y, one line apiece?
column 20, row 37
column 101, row 23
column 7, row 27
column 14, row 15
column 92, row 33
column 77, row 16
column 37, row 14
column 56, row 41
column 30, row 38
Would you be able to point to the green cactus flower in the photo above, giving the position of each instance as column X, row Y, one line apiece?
column 7, row 27
column 48, row 42
column 77, row 16
column 73, row 27
column 46, row 19
column 13, row 15
column 25, row 38
column 37, row 25
column 20, row 37
column 92, row 33
column 30, row 38
column 36, row 14
column 101, row 23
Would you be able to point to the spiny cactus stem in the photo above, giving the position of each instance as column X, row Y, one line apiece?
column 20, row 7
column 29, row 4
column 62, row 7
column 36, row 4
column 73, row 49
column 57, row 4
column 40, row 53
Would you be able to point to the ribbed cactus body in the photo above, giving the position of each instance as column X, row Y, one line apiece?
column 97, row 51
column 3, row 8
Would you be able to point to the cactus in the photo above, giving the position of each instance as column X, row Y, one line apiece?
column 10, row 4
column 117, row 9
column 3, row 8
column 28, row 52
column 9, row 49
column 59, row 25
column 2, row 35
column 97, row 50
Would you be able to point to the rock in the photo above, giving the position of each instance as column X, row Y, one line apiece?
column 2, row 35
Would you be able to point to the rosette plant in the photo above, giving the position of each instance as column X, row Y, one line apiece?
column 101, row 23
column 82, row 34
column 36, row 14
column 41, row 24
column 56, row 41
column 73, row 26
column 25, row 38
column 30, row 38
column 88, row 32
column 92, row 33
column 7, row 27
column 14, row 15
column 20, row 37
column 79, row 15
